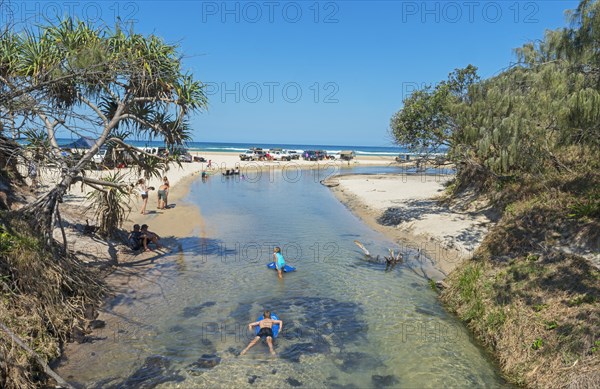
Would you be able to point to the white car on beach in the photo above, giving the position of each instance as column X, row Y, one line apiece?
column 280, row 155
column 293, row 154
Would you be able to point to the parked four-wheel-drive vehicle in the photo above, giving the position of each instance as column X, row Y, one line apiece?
column 310, row 155
column 280, row 155
column 100, row 156
column 248, row 155
column 347, row 155
column 315, row 155
column 293, row 154
column 254, row 154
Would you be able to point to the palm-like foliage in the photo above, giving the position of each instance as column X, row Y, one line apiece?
column 76, row 77
column 110, row 205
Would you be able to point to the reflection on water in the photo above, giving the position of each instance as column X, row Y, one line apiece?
column 347, row 322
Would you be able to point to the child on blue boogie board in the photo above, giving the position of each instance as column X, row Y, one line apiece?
column 279, row 261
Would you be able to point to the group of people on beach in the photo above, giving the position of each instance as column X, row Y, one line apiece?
column 163, row 193
column 140, row 237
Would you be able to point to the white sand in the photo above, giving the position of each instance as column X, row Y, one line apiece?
column 447, row 235
column 180, row 219
column 220, row 161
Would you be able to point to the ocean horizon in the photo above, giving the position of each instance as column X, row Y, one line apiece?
column 236, row 148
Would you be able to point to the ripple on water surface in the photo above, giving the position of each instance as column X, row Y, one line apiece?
column 347, row 322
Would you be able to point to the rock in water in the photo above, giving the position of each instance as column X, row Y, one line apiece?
column 196, row 310
column 384, row 381
column 293, row 382
column 357, row 361
column 153, row 372
column 207, row 361
column 95, row 324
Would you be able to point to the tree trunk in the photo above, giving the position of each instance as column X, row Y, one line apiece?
column 43, row 214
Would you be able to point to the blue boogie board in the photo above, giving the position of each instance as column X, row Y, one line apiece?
column 286, row 268
column 275, row 327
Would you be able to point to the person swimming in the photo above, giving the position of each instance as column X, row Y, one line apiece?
column 266, row 331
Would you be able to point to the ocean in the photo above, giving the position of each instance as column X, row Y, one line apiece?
column 241, row 147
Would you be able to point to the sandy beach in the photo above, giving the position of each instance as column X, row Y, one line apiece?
column 180, row 219
column 219, row 162
column 406, row 208
column 403, row 207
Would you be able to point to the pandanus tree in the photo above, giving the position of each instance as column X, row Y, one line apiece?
column 77, row 78
column 540, row 115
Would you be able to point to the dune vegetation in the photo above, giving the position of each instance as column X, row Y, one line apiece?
column 527, row 142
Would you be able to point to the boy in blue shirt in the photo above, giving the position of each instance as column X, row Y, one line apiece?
column 279, row 261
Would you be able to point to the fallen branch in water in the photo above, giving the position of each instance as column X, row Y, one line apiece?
column 363, row 248
column 393, row 259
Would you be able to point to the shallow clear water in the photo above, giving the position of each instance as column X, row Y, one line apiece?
column 348, row 323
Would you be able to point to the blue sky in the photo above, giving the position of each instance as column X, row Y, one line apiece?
column 322, row 72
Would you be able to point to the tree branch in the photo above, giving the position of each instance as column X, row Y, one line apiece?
column 95, row 109
column 93, row 181
column 35, row 355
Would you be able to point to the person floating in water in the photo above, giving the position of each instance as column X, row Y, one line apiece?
column 266, row 331
column 279, row 261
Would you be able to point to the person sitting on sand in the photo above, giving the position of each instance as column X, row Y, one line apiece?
column 149, row 237
column 266, row 331
column 279, row 261
column 135, row 238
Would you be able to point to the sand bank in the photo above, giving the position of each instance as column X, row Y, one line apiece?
column 404, row 202
column 181, row 219
column 406, row 209
column 219, row 162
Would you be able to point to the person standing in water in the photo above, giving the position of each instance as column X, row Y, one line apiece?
column 279, row 261
column 266, row 331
